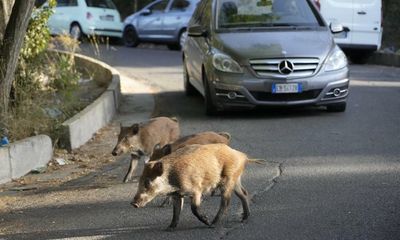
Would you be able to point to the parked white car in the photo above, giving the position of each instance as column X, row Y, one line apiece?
column 362, row 21
column 86, row 17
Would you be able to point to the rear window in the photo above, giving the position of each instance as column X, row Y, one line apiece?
column 67, row 3
column 100, row 4
column 265, row 13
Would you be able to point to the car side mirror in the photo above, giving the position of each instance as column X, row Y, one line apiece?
column 336, row 27
column 145, row 12
column 197, row 31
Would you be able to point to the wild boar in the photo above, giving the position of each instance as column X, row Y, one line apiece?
column 192, row 171
column 198, row 138
column 140, row 139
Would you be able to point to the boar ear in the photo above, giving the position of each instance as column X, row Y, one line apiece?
column 158, row 169
column 167, row 149
column 135, row 128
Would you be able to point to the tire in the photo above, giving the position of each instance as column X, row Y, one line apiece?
column 359, row 57
column 130, row 37
column 189, row 89
column 182, row 38
column 339, row 107
column 210, row 108
column 75, row 31
column 181, row 41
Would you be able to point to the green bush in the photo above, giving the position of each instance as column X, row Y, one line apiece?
column 45, row 82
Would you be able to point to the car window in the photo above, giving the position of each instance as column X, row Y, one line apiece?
column 160, row 6
column 179, row 5
column 67, row 3
column 100, row 4
column 265, row 13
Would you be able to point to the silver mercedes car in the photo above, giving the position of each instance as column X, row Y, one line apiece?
column 243, row 54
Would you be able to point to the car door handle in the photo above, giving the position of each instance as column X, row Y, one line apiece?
column 178, row 18
column 361, row 13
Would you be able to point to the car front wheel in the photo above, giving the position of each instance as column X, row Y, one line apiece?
column 189, row 89
column 130, row 37
column 209, row 105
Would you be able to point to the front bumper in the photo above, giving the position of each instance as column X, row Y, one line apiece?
column 246, row 91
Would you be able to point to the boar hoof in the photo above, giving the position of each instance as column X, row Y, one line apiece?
column 245, row 217
column 170, row 229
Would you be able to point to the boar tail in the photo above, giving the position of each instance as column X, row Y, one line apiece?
column 174, row 119
column 258, row 161
column 226, row 135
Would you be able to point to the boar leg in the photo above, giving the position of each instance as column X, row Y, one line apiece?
column 132, row 168
column 242, row 195
column 177, row 203
column 196, row 200
column 226, row 192
column 225, row 200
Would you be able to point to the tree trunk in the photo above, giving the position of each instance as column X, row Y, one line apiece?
column 5, row 12
column 11, row 46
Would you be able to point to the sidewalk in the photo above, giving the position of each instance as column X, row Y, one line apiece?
column 92, row 165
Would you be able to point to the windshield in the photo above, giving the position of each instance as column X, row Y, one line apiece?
column 264, row 13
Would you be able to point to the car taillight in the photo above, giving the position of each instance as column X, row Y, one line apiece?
column 89, row 16
column 318, row 4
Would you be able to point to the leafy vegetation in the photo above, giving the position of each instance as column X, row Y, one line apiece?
column 43, row 92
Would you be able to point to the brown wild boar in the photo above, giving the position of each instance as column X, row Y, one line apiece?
column 198, row 138
column 192, row 171
column 140, row 139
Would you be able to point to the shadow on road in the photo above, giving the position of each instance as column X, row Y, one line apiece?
column 178, row 104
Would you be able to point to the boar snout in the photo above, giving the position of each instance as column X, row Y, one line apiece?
column 116, row 151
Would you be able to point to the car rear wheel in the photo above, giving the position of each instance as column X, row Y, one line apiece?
column 209, row 105
column 130, row 37
column 359, row 57
column 76, row 31
column 182, row 38
column 189, row 89
column 339, row 107
column 181, row 41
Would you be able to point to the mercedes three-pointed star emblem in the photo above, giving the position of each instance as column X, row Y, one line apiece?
column 285, row 67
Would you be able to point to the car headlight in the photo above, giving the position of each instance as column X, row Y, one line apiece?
column 225, row 63
column 337, row 60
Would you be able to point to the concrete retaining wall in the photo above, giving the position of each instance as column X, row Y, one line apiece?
column 81, row 128
column 19, row 158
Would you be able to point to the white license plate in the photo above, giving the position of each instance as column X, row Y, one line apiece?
column 286, row 88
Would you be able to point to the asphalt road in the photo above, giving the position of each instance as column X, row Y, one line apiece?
column 335, row 175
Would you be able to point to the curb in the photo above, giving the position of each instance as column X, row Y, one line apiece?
column 81, row 127
column 386, row 59
column 20, row 157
